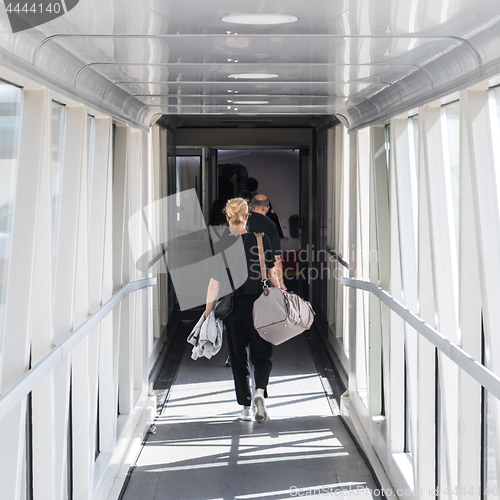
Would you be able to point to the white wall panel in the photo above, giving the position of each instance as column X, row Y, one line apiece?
column 64, row 284
column 135, row 196
column 425, row 436
column 484, row 181
column 83, row 376
column 108, row 362
column 404, row 284
column 120, row 265
column 379, row 266
column 407, row 196
column 16, row 339
column 444, row 443
column 444, row 271
column 469, row 310
column 41, row 331
column 395, row 396
column 352, row 163
column 97, row 210
column 363, row 261
column 49, row 297
column 154, row 195
column 341, row 245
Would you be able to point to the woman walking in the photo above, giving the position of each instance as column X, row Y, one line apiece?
column 239, row 323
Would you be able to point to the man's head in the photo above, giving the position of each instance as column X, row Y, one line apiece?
column 259, row 204
column 252, row 184
column 246, row 195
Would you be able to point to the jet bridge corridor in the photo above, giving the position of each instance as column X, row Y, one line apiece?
column 373, row 128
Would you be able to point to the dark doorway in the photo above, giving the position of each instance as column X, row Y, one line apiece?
column 278, row 173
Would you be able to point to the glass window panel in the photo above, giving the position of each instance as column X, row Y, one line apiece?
column 410, row 354
column 58, row 127
column 490, row 430
column 90, row 159
column 387, row 144
column 408, row 447
column 494, row 101
column 450, row 127
column 490, row 467
column 491, row 453
column 10, row 121
column 188, row 174
column 345, row 228
column 451, row 148
column 413, row 142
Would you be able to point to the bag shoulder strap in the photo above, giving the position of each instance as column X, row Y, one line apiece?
column 260, row 245
column 228, row 270
column 223, row 257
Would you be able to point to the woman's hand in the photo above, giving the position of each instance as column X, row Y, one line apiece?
column 273, row 278
column 278, row 267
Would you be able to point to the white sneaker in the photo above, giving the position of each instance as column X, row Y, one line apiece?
column 246, row 414
column 261, row 415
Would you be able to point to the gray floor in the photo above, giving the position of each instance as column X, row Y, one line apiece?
column 201, row 451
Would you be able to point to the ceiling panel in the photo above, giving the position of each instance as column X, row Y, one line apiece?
column 246, row 100
column 160, row 73
column 244, row 88
column 246, row 49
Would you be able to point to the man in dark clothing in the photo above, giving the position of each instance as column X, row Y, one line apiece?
column 274, row 217
column 252, row 185
column 227, row 178
column 259, row 223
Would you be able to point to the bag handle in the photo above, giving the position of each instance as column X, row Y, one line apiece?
column 263, row 269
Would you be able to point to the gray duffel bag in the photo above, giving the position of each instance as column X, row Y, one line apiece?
column 278, row 315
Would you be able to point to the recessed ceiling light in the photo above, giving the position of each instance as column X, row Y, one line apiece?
column 250, row 102
column 256, row 76
column 259, row 19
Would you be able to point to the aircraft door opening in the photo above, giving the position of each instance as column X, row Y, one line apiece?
column 278, row 175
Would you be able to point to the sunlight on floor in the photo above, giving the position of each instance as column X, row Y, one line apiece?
column 200, row 436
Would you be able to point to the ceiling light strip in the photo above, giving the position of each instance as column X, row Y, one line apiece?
column 259, row 19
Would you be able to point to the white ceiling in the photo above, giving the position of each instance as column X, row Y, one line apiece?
column 361, row 60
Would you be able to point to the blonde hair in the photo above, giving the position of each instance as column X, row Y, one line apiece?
column 236, row 210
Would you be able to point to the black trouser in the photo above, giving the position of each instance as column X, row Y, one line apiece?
column 240, row 334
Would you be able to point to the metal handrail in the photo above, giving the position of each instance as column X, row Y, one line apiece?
column 485, row 377
column 334, row 254
column 20, row 389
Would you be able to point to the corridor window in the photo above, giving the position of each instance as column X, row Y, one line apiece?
column 451, row 148
column 10, row 120
column 387, row 145
column 58, row 126
column 494, row 101
column 90, row 159
column 413, row 143
column 490, row 432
